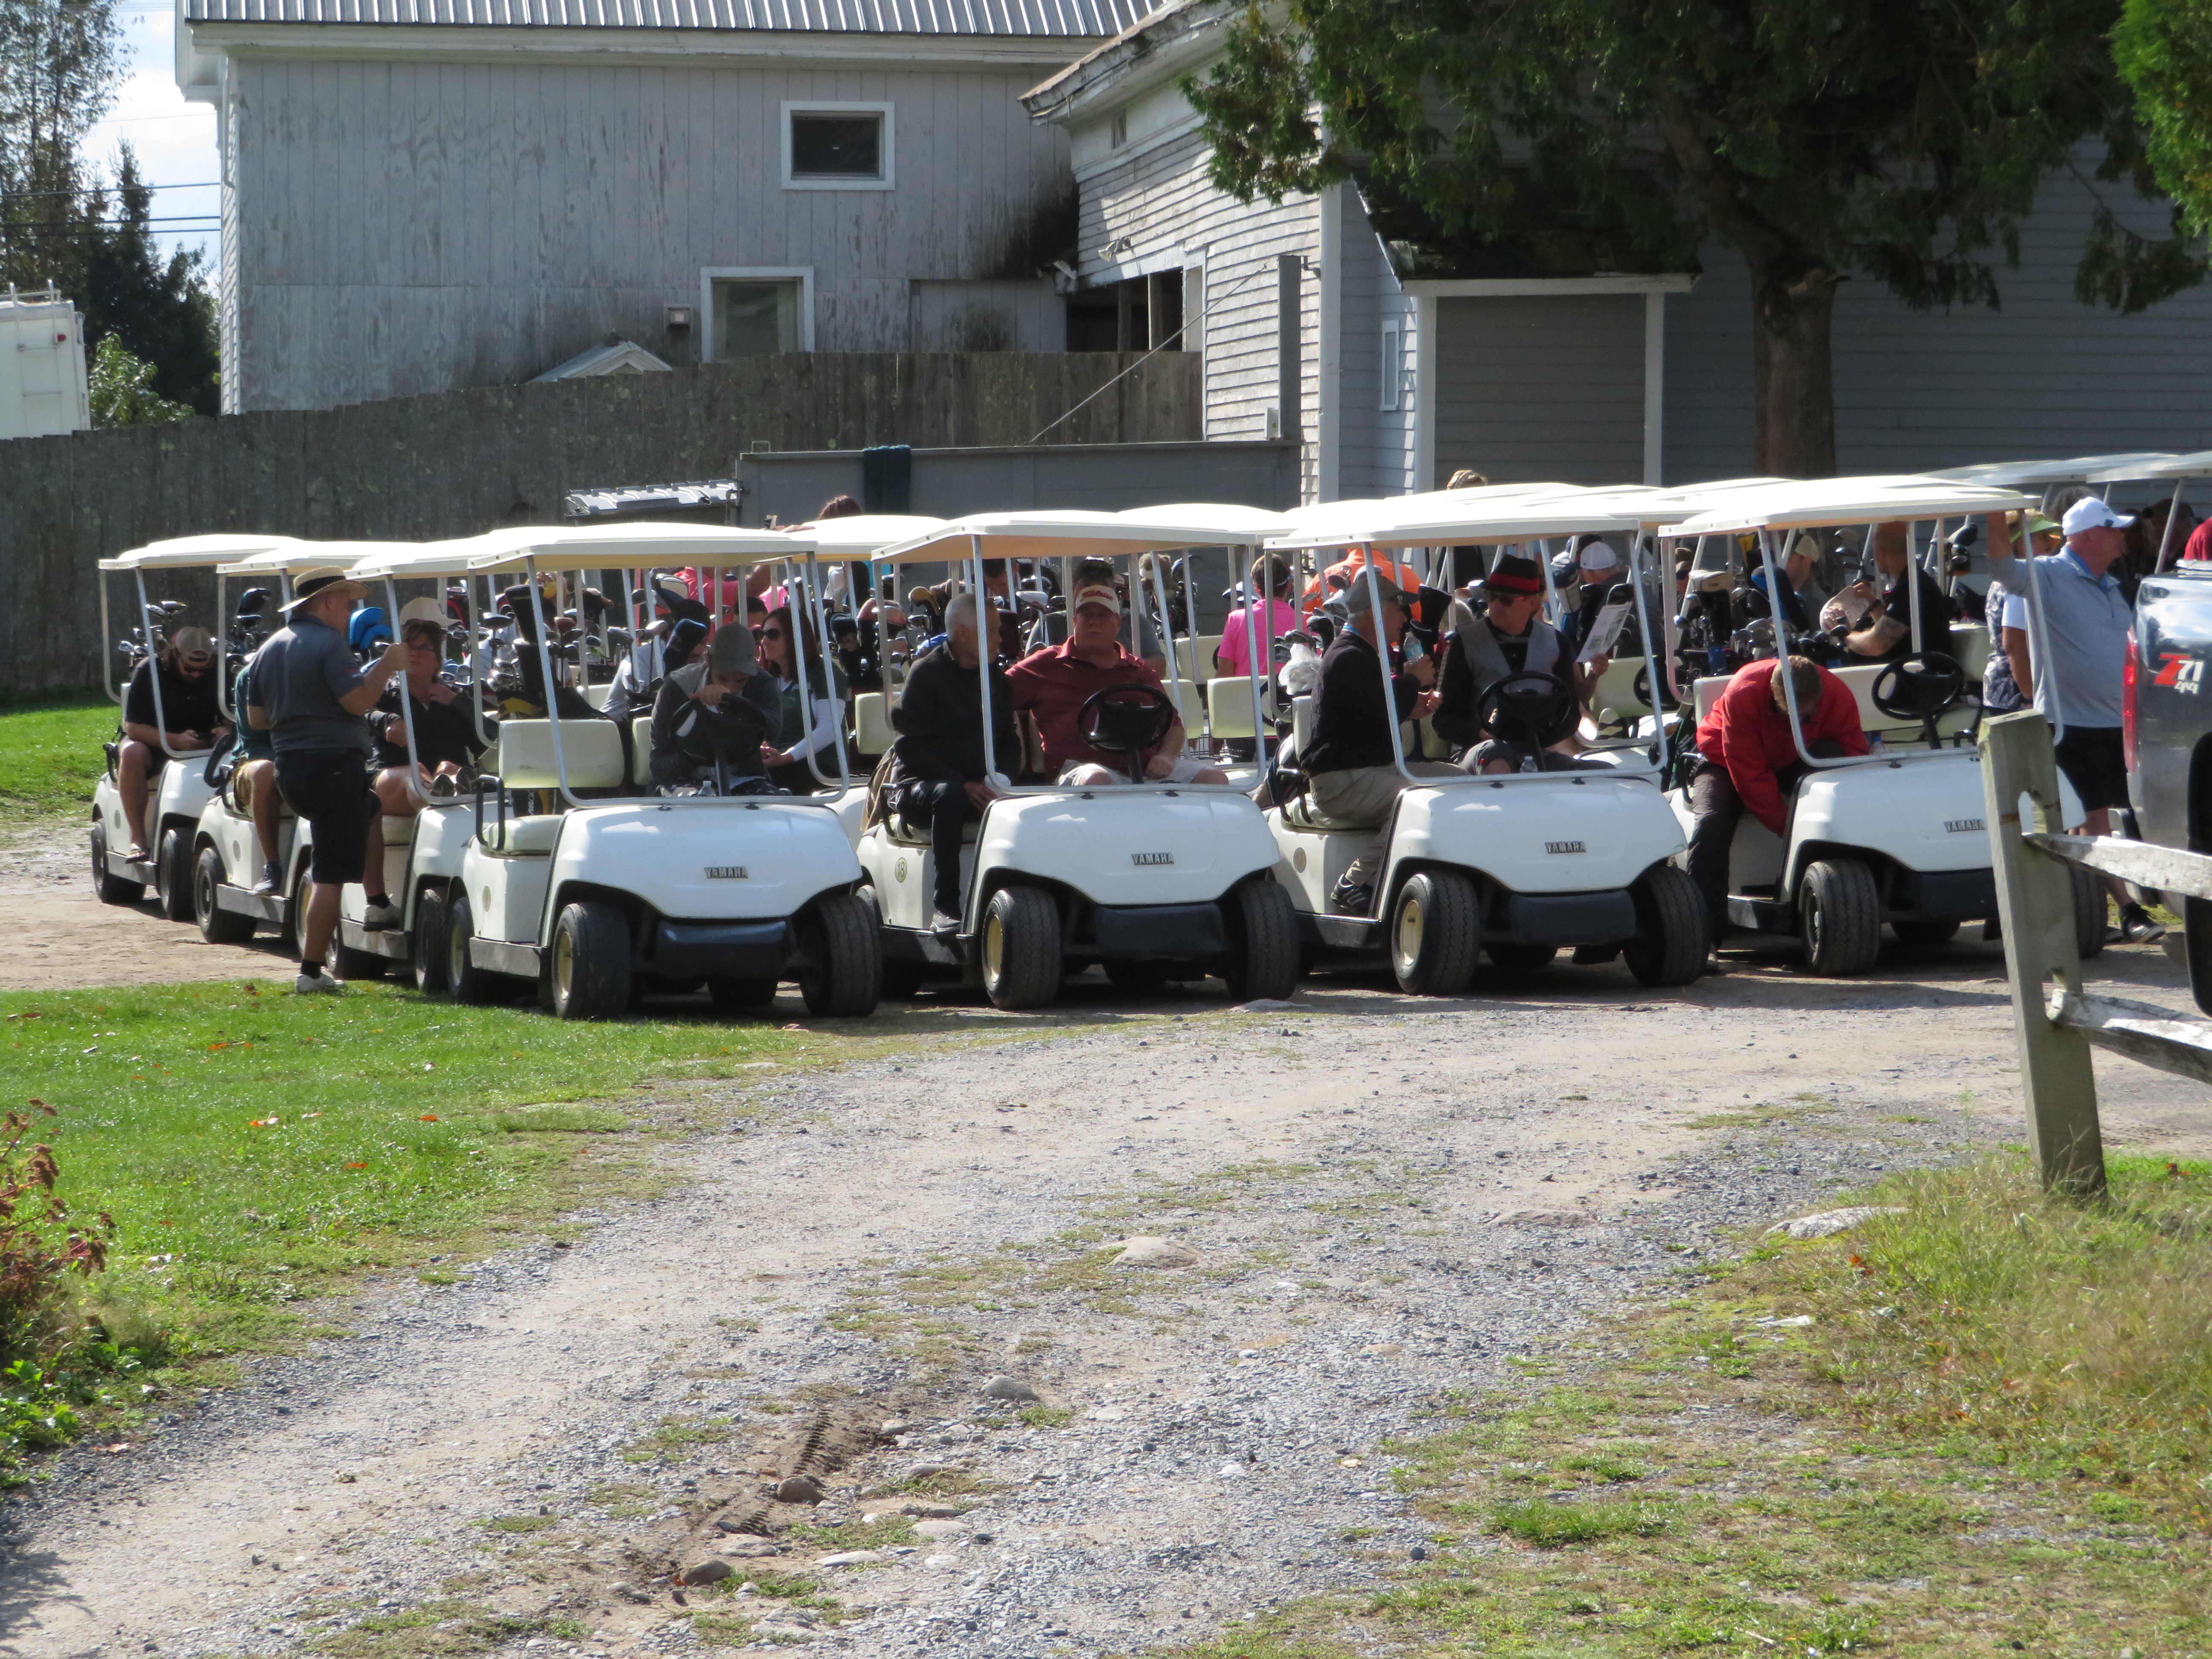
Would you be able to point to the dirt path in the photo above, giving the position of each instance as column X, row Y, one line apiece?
column 1385, row 1198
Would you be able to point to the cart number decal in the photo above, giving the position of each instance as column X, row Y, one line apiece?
column 1963, row 826
column 1566, row 847
column 1142, row 859
column 726, row 872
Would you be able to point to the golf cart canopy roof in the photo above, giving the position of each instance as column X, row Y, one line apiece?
column 1341, row 524
column 1073, row 533
column 866, row 534
column 201, row 552
column 1509, row 513
column 294, row 556
column 1819, row 503
column 2198, row 464
column 2079, row 469
column 417, row 560
column 1207, row 523
column 621, row 546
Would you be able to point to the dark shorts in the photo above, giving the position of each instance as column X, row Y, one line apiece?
column 2095, row 763
column 330, row 788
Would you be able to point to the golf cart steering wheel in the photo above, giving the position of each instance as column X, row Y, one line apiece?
column 1919, row 688
column 1523, row 706
column 1128, row 720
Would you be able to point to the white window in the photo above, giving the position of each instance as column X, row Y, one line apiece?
column 1394, row 363
column 838, row 147
column 755, row 311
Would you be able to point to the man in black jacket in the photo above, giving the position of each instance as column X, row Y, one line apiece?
column 1352, row 777
column 723, row 708
column 940, row 766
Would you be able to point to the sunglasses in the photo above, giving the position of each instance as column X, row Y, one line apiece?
column 771, row 633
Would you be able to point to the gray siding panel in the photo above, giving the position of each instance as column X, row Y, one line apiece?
column 2045, row 375
column 1540, row 388
column 1376, row 454
column 407, row 227
column 1056, row 19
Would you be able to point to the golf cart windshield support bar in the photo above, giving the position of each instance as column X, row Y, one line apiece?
column 1167, row 636
column 811, row 600
column 153, row 673
column 107, row 646
column 2166, row 536
column 406, row 701
column 1782, row 661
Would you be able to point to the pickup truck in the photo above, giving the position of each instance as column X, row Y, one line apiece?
column 2167, row 726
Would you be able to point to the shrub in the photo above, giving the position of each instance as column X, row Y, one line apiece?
column 33, row 1264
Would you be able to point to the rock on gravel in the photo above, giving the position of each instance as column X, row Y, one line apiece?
column 1009, row 1388
column 708, row 1570
column 938, row 1528
column 1150, row 1252
column 850, row 1559
column 1829, row 1222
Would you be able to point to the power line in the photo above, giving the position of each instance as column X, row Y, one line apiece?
column 96, row 189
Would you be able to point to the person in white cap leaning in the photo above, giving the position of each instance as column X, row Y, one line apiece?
column 2086, row 619
column 1598, row 568
column 310, row 693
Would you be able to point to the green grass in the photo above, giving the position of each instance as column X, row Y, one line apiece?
column 254, row 1146
column 50, row 757
column 1991, row 1439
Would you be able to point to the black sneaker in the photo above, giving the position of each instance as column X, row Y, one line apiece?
column 1353, row 898
column 2138, row 928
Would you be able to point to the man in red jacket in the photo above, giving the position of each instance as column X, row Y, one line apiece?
column 1747, row 761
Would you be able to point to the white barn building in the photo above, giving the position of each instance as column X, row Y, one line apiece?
column 425, row 194
column 1392, row 382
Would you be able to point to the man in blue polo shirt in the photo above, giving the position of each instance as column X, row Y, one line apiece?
column 2084, row 642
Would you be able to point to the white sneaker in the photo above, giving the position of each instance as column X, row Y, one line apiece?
column 378, row 917
column 304, row 985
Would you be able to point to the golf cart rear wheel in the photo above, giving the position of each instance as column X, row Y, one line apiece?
column 1925, row 932
column 217, row 925
column 1521, row 959
column 433, row 942
column 1435, row 933
column 172, row 873
column 841, row 969
column 465, row 981
column 1263, row 962
column 2088, row 913
column 1021, row 948
column 111, row 889
column 1839, row 917
column 1671, row 929
column 741, row 996
column 588, row 969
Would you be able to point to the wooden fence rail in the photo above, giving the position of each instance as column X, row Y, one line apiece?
column 2055, row 1019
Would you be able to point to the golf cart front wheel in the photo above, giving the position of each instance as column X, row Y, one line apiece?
column 434, row 942
column 2088, row 913
column 465, row 981
column 1263, row 962
column 1435, row 933
column 841, row 970
column 1671, row 929
column 172, row 873
column 589, row 971
column 1839, row 917
column 111, row 889
column 1021, row 948
column 217, row 926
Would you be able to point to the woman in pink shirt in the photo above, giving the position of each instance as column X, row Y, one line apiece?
column 1232, row 656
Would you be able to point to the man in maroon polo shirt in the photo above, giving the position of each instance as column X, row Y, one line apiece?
column 1053, row 684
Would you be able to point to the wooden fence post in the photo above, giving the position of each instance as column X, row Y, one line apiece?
column 2035, row 906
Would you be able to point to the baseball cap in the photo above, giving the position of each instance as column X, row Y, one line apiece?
column 1515, row 575
column 1098, row 594
column 428, row 611
column 192, row 642
column 1598, row 556
column 1355, row 596
column 731, row 650
column 2090, row 512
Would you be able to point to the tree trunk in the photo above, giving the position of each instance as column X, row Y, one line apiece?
column 1793, row 373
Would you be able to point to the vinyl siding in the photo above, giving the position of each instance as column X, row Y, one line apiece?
column 1006, row 18
column 1376, row 452
column 396, row 227
column 1541, row 388
column 2045, row 375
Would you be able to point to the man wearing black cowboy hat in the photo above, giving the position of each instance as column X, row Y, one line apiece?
column 1510, row 638
column 310, row 694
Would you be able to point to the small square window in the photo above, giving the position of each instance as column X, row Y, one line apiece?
column 755, row 319
column 838, row 147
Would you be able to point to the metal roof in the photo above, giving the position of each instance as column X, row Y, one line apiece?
column 1069, row 19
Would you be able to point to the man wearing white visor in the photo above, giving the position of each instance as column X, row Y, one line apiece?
column 2081, row 661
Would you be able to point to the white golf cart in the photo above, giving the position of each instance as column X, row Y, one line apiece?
column 1518, row 865
column 1149, row 880
column 1897, row 835
column 577, row 878
column 181, row 789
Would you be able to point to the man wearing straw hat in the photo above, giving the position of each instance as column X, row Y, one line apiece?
column 310, row 694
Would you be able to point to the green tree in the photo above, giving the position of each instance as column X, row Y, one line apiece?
column 1900, row 141
column 122, row 388
column 160, row 308
column 2164, row 49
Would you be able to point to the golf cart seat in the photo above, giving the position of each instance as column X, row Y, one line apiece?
column 597, row 694
column 1861, row 678
column 1196, row 656
column 1709, row 690
column 640, row 752
column 1616, row 690
column 593, row 748
column 1228, row 702
column 1300, row 812
column 1302, row 720
column 399, row 831
column 1969, row 646
column 527, row 837
column 872, row 733
column 917, row 835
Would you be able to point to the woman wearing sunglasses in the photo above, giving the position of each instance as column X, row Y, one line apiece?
column 785, row 642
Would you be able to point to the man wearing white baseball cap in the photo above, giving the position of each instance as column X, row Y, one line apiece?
column 2084, row 649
